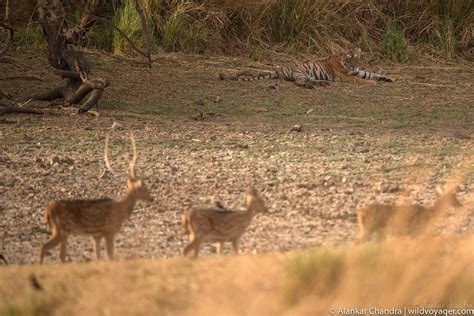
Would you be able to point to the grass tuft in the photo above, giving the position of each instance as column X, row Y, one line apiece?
column 31, row 304
column 316, row 272
column 394, row 45
column 392, row 274
column 30, row 35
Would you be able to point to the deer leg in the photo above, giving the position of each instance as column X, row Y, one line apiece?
column 96, row 242
column 235, row 245
column 109, row 242
column 219, row 246
column 51, row 243
column 194, row 244
column 62, row 250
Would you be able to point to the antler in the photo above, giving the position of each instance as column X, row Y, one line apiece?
column 106, row 155
column 133, row 173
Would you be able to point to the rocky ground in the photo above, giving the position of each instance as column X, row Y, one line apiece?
column 201, row 140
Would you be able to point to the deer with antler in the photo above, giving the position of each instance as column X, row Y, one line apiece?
column 101, row 218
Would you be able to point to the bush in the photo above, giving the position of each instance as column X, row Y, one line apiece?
column 394, row 45
column 30, row 35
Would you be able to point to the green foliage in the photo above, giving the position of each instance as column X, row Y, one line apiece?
column 126, row 19
column 31, row 304
column 173, row 27
column 30, row 35
column 303, row 26
column 394, row 45
column 101, row 36
column 312, row 272
column 447, row 40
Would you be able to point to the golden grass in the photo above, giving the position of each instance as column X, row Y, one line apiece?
column 394, row 274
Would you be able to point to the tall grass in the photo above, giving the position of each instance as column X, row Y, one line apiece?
column 394, row 45
column 189, row 27
column 312, row 272
column 127, row 20
column 30, row 35
column 298, row 26
column 395, row 274
column 36, row 304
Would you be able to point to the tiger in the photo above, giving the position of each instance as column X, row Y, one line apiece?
column 318, row 73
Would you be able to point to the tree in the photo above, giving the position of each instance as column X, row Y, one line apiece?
column 69, row 63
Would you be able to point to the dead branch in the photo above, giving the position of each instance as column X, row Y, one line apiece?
column 73, row 35
column 67, row 73
column 139, row 9
column 122, row 33
column 22, row 77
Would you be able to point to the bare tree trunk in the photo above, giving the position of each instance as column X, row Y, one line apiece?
column 69, row 63
column 5, row 25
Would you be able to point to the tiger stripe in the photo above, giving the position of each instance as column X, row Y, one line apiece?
column 341, row 67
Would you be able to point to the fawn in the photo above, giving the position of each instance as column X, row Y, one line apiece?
column 385, row 219
column 220, row 225
column 98, row 218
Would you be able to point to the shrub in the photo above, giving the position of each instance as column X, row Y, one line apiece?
column 394, row 45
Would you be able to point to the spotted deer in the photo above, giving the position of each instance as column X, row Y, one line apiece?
column 101, row 218
column 410, row 219
column 220, row 225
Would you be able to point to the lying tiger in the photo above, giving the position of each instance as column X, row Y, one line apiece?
column 308, row 75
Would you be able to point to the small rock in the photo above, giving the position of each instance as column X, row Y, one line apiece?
column 54, row 160
column 274, row 87
column 199, row 116
column 68, row 161
column 296, row 128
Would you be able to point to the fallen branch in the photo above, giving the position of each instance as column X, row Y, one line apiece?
column 17, row 109
column 22, row 77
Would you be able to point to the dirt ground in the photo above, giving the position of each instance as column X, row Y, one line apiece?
column 201, row 139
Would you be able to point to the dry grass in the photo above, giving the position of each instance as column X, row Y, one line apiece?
column 395, row 274
column 305, row 26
